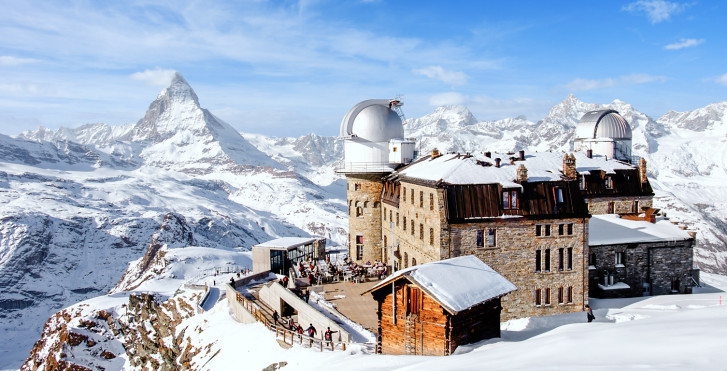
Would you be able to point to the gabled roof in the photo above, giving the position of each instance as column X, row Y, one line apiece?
column 456, row 284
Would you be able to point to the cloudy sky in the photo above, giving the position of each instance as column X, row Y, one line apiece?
column 287, row 68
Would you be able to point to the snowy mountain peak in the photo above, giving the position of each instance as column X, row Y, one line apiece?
column 179, row 90
column 713, row 116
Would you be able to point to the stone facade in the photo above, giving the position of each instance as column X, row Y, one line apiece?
column 655, row 268
column 619, row 204
column 513, row 256
column 364, row 216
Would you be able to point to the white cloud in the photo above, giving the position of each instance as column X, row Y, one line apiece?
column 656, row 10
column 449, row 99
column 155, row 77
column 10, row 61
column 722, row 79
column 454, row 78
column 594, row 84
column 684, row 43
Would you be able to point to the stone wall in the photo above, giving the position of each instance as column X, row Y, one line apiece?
column 426, row 211
column 514, row 257
column 655, row 263
column 621, row 205
column 364, row 214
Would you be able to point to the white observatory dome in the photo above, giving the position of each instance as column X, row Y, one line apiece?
column 373, row 135
column 603, row 124
column 372, row 120
column 605, row 133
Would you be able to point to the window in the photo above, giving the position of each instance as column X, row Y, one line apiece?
column 480, row 238
column 412, row 227
column 359, row 211
column 403, row 194
column 546, row 297
column 537, row 261
column 412, row 197
column 635, row 207
column 592, row 259
column 609, row 182
column 538, row 230
column 570, row 258
column 397, row 219
column 359, row 247
column 610, row 207
column 509, row 200
column 390, row 219
column 570, row 229
column 406, row 260
column 431, row 236
column 413, row 300
column 547, row 260
column 620, row 258
column 385, row 241
column 537, row 297
column 561, row 228
column 413, row 262
column 421, row 232
column 547, row 230
column 569, row 294
column 560, row 295
column 421, row 199
column 558, row 195
column 431, row 201
column 404, row 222
column 384, row 214
column 560, row 259
column 491, row 238
column 582, row 184
column 357, row 187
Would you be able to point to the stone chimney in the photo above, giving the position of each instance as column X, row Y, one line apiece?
column 497, row 162
column 642, row 170
column 522, row 174
column 522, row 155
column 589, row 153
column 435, row 153
column 569, row 166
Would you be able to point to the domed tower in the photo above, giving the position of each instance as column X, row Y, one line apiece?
column 374, row 145
column 606, row 133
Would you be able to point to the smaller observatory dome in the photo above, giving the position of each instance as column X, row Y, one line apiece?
column 373, row 120
column 603, row 124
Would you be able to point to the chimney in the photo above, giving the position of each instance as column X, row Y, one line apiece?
column 642, row 170
column 512, row 160
column 497, row 162
column 589, row 153
column 522, row 173
column 488, row 154
column 569, row 166
column 435, row 153
column 522, row 155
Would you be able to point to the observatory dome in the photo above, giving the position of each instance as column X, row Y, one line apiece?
column 372, row 120
column 603, row 124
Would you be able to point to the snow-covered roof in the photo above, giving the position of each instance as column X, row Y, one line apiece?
column 286, row 242
column 542, row 166
column 611, row 229
column 457, row 284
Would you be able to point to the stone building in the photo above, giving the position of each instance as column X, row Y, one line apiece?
column 525, row 215
column 631, row 258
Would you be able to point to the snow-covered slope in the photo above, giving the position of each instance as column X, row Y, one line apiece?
column 77, row 205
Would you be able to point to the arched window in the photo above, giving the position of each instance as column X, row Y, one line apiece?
column 406, row 260
column 376, row 204
column 413, row 262
column 359, row 211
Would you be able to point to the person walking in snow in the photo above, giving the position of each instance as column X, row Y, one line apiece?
column 328, row 335
column 311, row 330
column 589, row 314
column 300, row 329
column 275, row 317
column 307, row 295
column 285, row 282
column 291, row 324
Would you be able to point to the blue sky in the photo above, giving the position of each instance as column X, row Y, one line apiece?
column 287, row 68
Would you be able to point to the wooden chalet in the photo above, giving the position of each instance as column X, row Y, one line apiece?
column 433, row 308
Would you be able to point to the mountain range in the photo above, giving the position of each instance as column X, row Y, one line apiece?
column 80, row 205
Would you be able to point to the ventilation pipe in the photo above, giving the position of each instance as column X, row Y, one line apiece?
column 522, row 155
column 589, row 153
